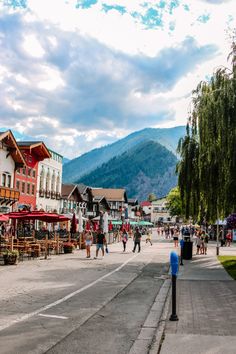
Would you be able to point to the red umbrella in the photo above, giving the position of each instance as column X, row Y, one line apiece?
column 73, row 224
column 88, row 226
column 4, row 217
column 110, row 226
column 95, row 226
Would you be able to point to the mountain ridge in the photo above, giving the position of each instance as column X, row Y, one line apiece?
column 89, row 161
column 146, row 168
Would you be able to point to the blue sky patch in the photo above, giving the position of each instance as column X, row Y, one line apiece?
column 15, row 3
column 152, row 18
column 85, row 4
column 204, row 18
column 119, row 8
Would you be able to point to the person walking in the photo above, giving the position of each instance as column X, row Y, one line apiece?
column 148, row 237
column 137, row 239
column 176, row 238
column 124, row 239
column 100, row 242
column 88, row 242
column 228, row 238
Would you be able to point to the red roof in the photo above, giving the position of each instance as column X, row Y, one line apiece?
column 145, row 203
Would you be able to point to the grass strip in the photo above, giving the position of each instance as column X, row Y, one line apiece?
column 229, row 263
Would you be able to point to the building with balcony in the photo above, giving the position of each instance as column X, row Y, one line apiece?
column 49, row 183
column 160, row 213
column 116, row 198
column 26, row 178
column 11, row 159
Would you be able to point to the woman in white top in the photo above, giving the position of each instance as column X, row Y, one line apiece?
column 88, row 242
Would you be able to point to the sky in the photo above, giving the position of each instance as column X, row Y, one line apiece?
column 80, row 74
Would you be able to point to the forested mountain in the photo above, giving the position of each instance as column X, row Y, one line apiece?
column 86, row 163
column 146, row 168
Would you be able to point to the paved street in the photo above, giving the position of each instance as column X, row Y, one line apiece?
column 206, row 307
column 69, row 304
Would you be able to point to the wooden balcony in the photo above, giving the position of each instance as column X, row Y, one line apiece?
column 9, row 195
column 41, row 193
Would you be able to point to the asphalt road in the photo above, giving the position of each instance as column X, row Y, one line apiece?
column 77, row 305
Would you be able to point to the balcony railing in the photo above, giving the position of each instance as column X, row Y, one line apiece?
column 9, row 195
column 41, row 192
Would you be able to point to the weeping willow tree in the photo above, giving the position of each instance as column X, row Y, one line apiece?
column 207, row 169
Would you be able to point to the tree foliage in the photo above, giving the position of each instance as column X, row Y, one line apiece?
column 207, row 169
column 174, row 203
column 152, row 197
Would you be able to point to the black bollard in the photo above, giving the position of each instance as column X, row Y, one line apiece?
column 173, row 316
column 181, row 252
column 174, row 263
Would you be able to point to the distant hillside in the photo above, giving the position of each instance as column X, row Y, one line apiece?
column 84, row 164
column 144, row 169
column 65, row 160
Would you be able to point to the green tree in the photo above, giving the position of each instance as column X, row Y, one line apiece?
column 207, row 169
column 174, row 203
column 152, row 197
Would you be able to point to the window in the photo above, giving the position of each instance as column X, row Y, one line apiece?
column 18, row 170
column 32, row 189
column 58, row 183
column 23, row 170
column 33, row 173
column 29, row 172
column 18, row 185
column 53, row 182
column 4, row 180
column 48, row 180
column 28, row 188
column 23, row 187
column 30, row 158
column 41, row 183
column 9, row 181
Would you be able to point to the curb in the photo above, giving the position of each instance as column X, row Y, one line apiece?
column 149, row 338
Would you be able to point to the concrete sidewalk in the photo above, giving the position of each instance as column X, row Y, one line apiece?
column 206, row 307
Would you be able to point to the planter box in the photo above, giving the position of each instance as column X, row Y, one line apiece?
column 9, row 259
column 68, row 249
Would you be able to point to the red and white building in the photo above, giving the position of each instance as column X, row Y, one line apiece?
column 26, row 177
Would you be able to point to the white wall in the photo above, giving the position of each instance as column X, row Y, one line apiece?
column 6, row 165
column 53, row 166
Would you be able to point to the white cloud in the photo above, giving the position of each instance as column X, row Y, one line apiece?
column 82, row 77
column 33, row 47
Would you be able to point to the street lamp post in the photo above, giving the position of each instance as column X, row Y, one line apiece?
column 217, row 235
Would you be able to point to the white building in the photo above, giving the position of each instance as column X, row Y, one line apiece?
column 160, row 213
column 10, row 159
column 49, row 183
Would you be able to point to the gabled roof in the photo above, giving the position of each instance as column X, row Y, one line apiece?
column 38, row 147
column 145, row 203
column 111, row 194
column 82, row 188
column 68, row 189
column 8, row 139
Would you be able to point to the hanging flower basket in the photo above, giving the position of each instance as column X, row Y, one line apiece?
column 231, row 221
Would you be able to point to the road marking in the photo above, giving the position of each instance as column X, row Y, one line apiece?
column 54, row 316
column 63, row 299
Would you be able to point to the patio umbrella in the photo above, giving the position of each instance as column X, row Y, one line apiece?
column 105, row 222
column 80, row 221
column 88, row 226
column 4, row 217
column 73, row 224
column 110, row 227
